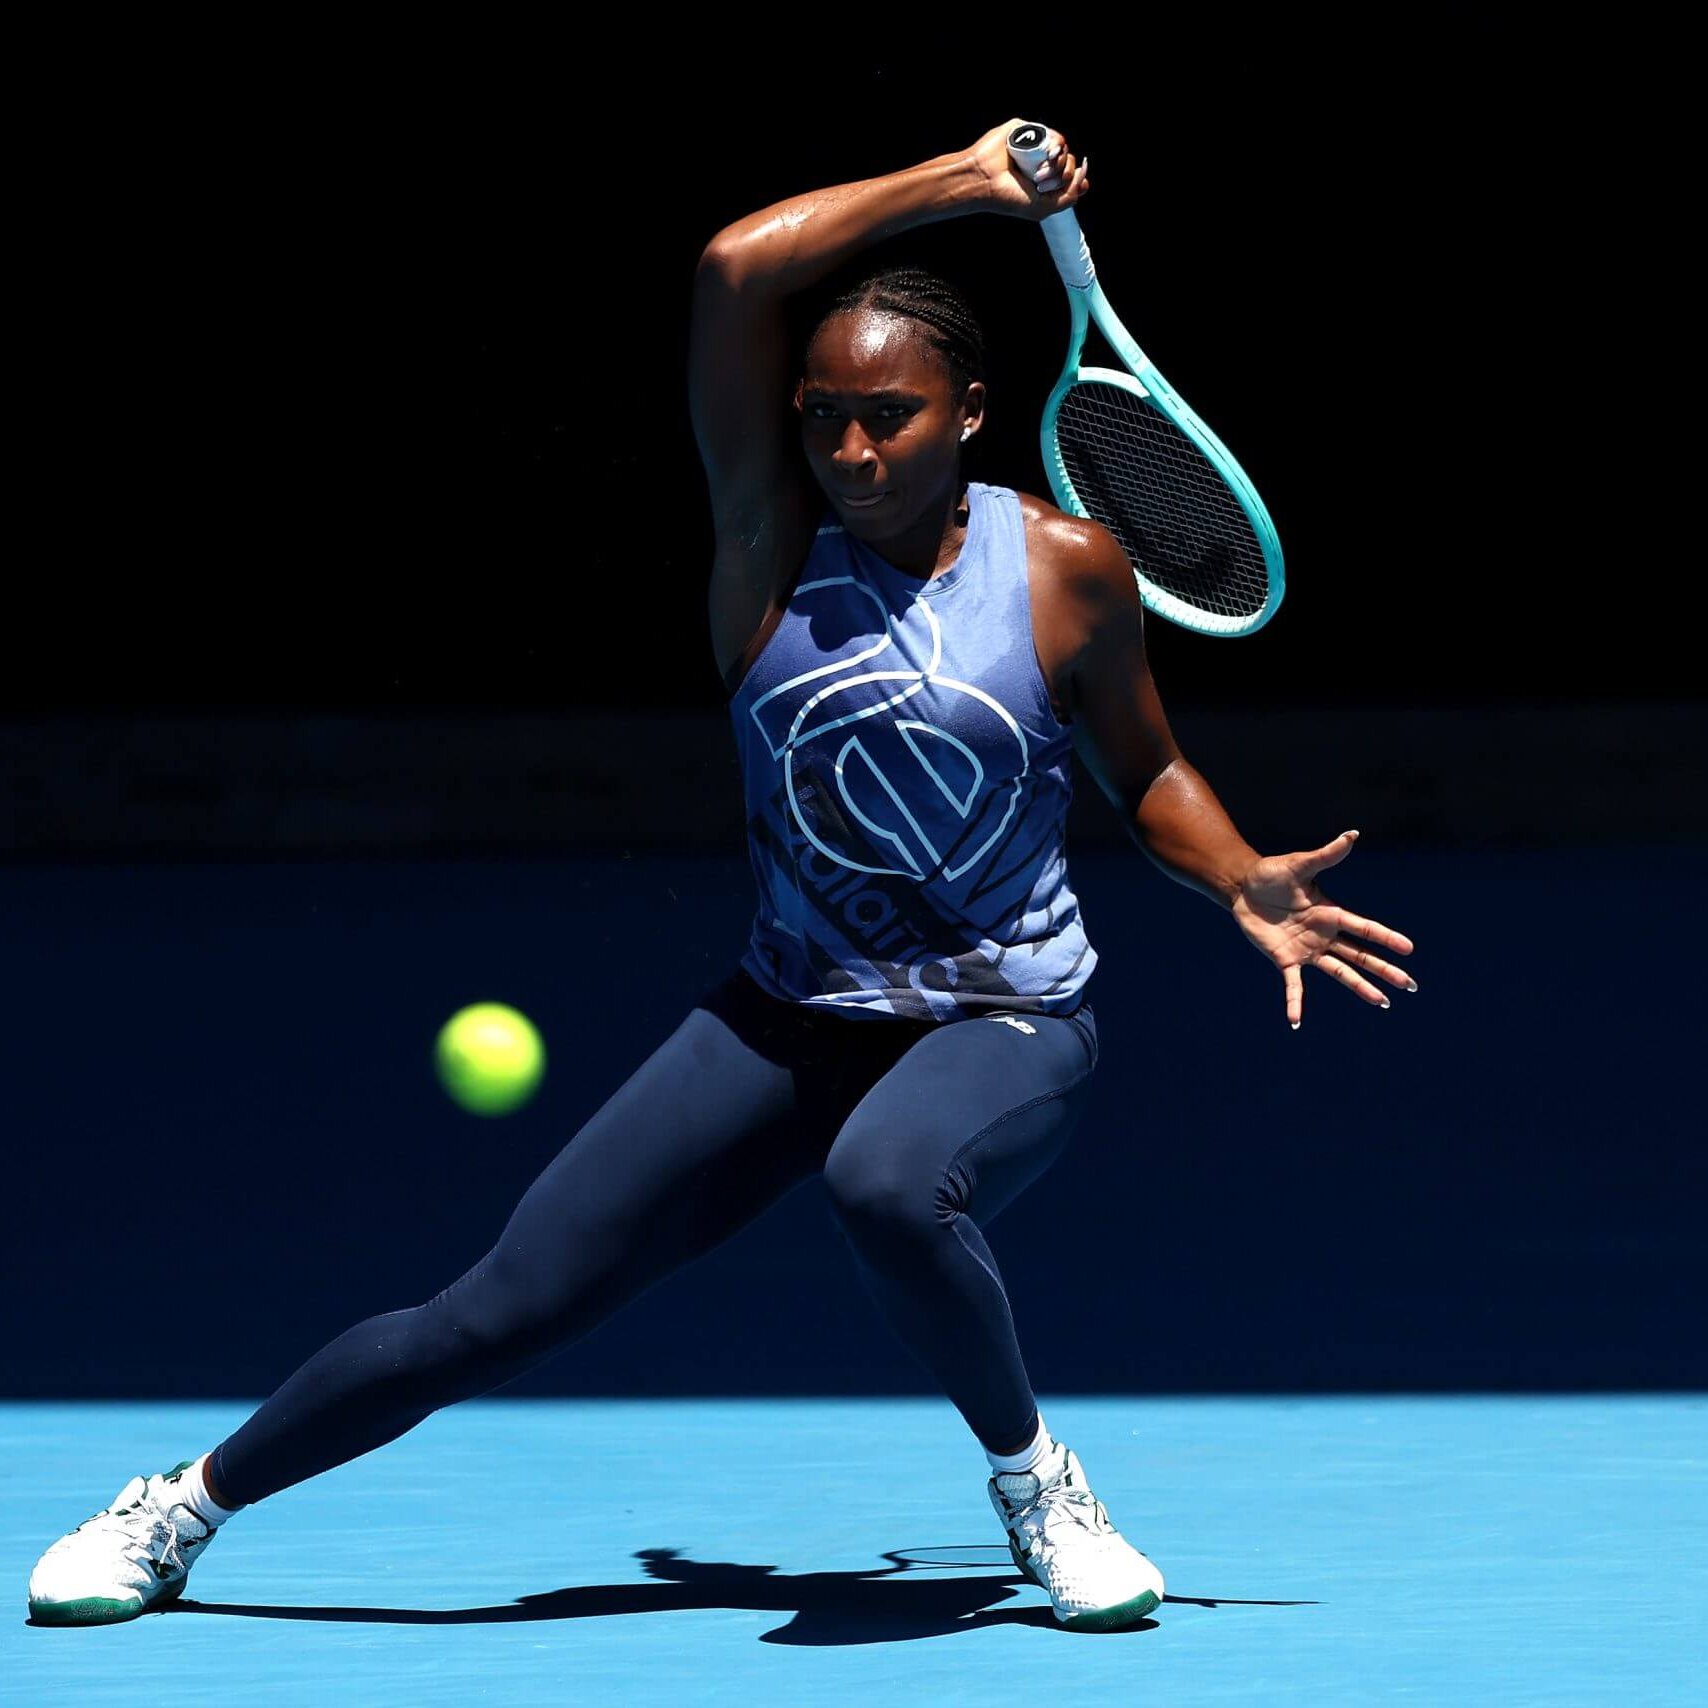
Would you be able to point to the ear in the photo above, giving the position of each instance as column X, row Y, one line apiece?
column 800, row 386
column 972, row 410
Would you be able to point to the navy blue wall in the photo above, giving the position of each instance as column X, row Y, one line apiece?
column 423, row 480
column 226, row 1143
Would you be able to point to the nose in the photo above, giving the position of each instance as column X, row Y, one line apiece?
column 854, row 450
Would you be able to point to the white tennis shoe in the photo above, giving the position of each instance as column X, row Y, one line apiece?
column 124, row 1561
column 1061, row 1538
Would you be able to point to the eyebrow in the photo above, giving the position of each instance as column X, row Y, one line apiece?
column 899, row 394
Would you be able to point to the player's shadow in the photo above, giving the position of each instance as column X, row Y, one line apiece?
column 896, row 1603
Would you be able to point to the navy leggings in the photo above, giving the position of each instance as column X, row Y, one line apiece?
column 922, row 1130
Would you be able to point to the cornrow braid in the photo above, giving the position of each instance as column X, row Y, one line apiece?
column 948, row 324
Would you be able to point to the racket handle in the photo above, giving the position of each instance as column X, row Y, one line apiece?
column 1028, row 146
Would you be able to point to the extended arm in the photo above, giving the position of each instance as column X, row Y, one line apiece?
column 1122, row 733
column 1173, row 814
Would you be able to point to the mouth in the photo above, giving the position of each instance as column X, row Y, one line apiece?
column 861, row 501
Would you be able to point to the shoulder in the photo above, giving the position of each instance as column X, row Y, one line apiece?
column 1076, row 556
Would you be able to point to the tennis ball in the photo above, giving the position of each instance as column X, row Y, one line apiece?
column 489, row 1058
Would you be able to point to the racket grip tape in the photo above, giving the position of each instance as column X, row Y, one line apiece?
column 1028, row 144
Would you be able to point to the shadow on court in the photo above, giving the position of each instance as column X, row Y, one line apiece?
column 889, row 1604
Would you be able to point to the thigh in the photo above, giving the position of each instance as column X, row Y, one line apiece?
column 972, row 1113
column 704, row 1135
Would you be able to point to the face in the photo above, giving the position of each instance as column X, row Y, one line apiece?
column 881, row 421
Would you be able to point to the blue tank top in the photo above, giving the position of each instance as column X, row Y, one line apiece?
column 907, row 787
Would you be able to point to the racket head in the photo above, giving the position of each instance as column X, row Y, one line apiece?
column 1127, row 453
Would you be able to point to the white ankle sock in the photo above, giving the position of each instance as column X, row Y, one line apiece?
column 1042, row 1457
column 192, row 1485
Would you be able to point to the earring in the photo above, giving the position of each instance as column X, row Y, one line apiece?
column 966, row 434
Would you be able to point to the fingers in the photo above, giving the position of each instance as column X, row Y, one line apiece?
column 1330, row 854
column 1373, row 965
column 1341, row 973
column 1376, row 932
column 1061, row 176
column 1055, row 168
column 1055, row 177
column 1352, row 965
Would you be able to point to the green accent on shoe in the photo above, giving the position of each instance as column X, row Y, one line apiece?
column 102, row 1609
column 1116, row 1618
column 89, row 1610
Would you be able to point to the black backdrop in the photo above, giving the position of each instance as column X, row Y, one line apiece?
column 365, row 359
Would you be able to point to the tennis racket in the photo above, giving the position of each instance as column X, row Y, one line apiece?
column 1121, row 447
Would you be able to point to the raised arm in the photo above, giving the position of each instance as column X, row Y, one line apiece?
column 739, row 387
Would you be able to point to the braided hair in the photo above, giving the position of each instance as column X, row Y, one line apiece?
column 944, row 319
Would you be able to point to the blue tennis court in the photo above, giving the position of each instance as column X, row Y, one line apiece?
column 1348, row 1550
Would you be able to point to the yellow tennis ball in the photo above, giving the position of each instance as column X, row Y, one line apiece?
column 489, row 1058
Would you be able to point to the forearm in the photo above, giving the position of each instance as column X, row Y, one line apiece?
column 1185, row 830
column 793, row 244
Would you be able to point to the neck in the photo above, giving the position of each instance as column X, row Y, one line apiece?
column 931, row 547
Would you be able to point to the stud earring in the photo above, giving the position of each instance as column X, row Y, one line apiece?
column 966, row 434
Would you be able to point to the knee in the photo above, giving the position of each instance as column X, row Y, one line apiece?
column 491, row 1321
column 876, row 1194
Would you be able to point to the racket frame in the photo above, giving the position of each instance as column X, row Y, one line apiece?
column 1089, row 306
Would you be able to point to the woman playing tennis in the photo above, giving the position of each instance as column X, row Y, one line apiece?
column 912, row 659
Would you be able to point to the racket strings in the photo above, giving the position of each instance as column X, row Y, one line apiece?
column 1152, row 487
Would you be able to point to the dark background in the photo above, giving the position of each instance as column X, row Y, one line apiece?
column 356, row 668
column 365, row 360
column 226, row 1143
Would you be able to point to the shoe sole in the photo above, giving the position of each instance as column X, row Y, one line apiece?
column 100, row 1609
column 1116, row 1618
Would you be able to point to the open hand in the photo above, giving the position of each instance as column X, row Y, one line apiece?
column 1287, row 918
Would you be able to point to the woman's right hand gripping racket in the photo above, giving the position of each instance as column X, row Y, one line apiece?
column 1122, row 448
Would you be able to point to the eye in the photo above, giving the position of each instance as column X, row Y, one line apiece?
column 815, row 411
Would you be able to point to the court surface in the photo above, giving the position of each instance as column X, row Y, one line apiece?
column 1339, row 1550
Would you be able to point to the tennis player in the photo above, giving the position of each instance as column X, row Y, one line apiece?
column 912, row 658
